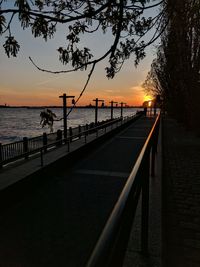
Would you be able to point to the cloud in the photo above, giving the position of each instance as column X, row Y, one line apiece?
column 137, row 87
column 48, row 81
column 109, row 91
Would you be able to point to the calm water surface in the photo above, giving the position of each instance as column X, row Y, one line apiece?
column 16, row 123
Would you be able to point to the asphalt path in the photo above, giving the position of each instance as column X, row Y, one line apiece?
column 59, row 222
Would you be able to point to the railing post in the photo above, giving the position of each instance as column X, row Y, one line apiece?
column 79, row 131
column 145, row 206
column 25, row 146
column 86, row 128
column 44, row 139
column 59, row 137
column 68, row 145
column 41, row 157
column 70, row 134
column 1, row 156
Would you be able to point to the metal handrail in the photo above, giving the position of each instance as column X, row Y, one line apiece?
column 108, row 250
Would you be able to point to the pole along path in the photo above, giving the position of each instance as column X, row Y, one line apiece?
column 57, row 221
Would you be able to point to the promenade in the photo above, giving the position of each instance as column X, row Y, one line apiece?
column 54, row 217
column 55, row 220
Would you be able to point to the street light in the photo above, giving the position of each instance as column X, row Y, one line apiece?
column 122, row 103
column 96, row 108
column 64, row 97
column 112, row 102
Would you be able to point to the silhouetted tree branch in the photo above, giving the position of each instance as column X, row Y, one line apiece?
column 116, row 17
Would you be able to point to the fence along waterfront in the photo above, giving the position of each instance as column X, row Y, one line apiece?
column 42, row 144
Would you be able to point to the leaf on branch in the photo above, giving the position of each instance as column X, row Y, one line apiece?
column 11, row 46
column 75, row 30
column 2, row 23
column 64, row 56
column 47, row 118
column 40, row 28
column 77, row 57
column 39, row 4
column 24, row 17
column 22, row 5
column 139, row 53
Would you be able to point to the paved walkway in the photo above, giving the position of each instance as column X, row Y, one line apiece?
column 56, row 221
column 181, row 196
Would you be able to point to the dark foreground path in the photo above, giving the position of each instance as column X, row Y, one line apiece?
column 181, row 196
column 58, row 222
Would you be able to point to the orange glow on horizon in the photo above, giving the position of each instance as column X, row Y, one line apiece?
column 52, row 99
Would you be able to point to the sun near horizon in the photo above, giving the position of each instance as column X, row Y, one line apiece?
column 148, row 98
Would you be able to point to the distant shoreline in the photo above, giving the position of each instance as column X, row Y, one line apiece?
column 43, row 107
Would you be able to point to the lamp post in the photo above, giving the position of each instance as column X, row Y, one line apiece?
column 122, row 103
column 64, row 97
column 96, row 108
column 112, row 102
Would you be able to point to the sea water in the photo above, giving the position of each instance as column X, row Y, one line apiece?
column 16, row 123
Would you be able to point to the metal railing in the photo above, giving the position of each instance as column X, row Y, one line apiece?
column 42, row 144
column 112, row 243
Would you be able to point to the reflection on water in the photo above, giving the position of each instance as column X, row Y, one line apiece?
column 16, row 123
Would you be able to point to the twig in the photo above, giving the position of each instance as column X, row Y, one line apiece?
column 84, row 88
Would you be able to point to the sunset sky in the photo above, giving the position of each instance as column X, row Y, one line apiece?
column 23, row 84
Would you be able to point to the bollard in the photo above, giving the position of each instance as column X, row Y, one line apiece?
column 25, row 147
column 44, row 139
column 1, row 156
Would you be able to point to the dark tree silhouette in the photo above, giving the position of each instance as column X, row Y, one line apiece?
column 177, row 68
